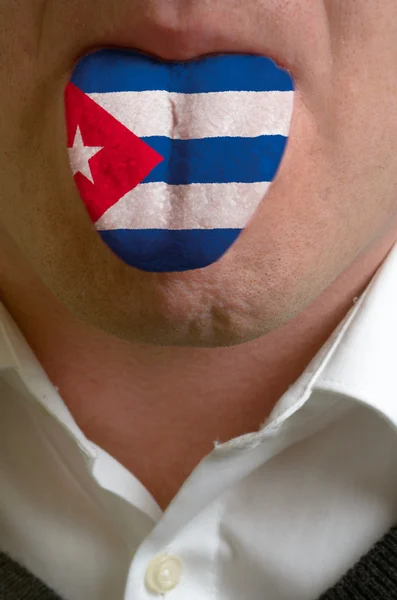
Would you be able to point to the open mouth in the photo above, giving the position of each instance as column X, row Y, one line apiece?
column 172, row 158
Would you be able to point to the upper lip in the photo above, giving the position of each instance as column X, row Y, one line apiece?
column 183, row 45
column 163, row 53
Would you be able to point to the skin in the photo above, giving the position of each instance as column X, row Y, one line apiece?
column 238, row 332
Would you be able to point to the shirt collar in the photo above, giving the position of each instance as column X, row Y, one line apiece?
column 20, row 368
column 363, row 366
column 359, row 360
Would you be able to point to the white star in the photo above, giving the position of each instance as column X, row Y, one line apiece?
column 80, row 155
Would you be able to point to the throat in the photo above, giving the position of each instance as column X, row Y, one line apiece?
column 162, row 451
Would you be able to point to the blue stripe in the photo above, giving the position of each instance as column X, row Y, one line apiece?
column 118, row 70
column 162, row 250
column 216, row 160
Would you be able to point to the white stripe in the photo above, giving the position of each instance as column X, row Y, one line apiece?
column 194, row 206
column 194, row 116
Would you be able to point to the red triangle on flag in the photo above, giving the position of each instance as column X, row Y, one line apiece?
column 121, row 165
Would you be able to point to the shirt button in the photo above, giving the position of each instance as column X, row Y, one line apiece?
column 163, row 573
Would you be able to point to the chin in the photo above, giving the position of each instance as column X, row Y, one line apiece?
column 225, row 304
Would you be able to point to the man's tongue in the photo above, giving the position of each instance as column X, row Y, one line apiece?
column 171, row 159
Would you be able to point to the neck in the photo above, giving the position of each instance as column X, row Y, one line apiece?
column 126, row 397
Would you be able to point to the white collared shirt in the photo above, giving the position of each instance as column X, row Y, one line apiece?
column 278, row 514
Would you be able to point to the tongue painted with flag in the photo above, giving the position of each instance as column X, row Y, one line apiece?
column 171, row 159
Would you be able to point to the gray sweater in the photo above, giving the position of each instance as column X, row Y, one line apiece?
column 373, row 577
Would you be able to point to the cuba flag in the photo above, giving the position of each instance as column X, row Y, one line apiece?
column 171, row 159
